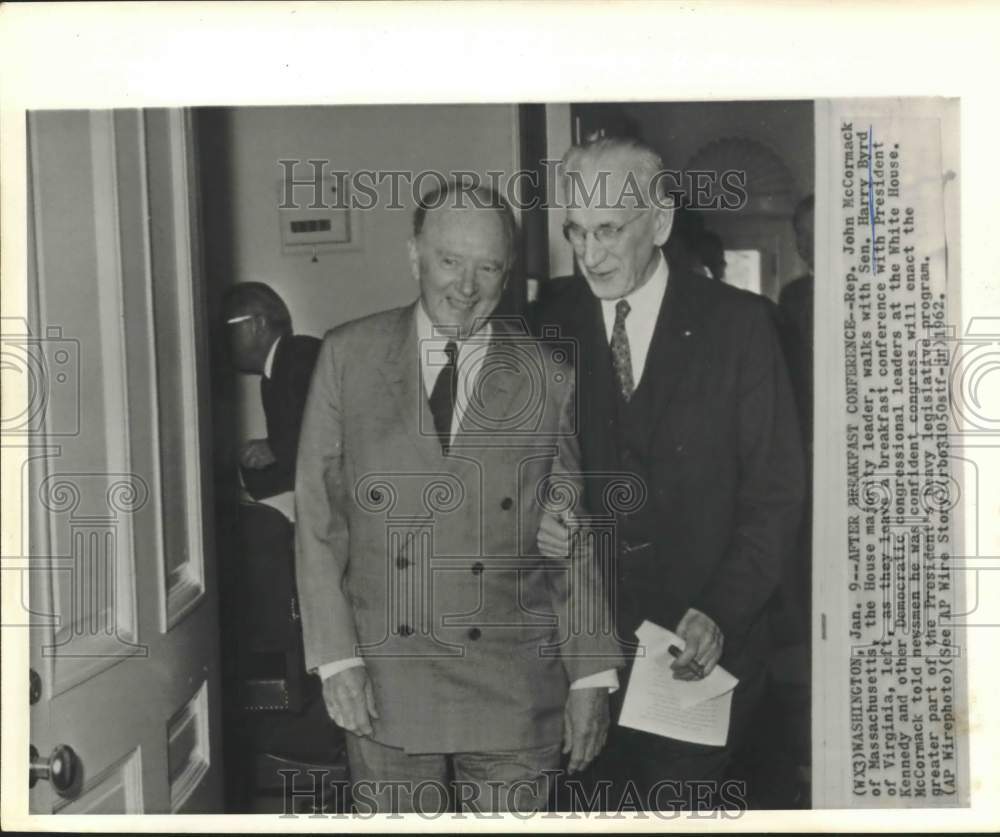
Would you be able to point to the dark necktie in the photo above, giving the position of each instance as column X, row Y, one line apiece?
column 442, row 401
column 621, row 354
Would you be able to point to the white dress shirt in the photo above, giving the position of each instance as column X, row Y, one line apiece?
column 471, row 354
column 645, row 302
column 269, row 360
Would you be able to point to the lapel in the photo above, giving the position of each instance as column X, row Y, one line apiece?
column 400, row 372
column 676, row 340
column 595, row 384
column 499, row 382
column 501, row 378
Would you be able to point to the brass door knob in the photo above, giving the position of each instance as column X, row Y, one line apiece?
column 62, row 768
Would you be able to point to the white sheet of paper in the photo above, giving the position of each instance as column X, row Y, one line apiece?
column 657, row 642
column 284, row 502
column 656, row 702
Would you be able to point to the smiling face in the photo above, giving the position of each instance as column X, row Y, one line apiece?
column 628, row 257
column 460, row 258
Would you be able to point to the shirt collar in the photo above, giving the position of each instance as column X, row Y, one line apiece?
column 269, row 363
column 427, row 332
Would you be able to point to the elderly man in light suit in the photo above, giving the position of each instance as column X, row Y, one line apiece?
column 432, row 435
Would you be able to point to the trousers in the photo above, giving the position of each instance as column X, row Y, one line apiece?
column 388, row 780
column 641, row 771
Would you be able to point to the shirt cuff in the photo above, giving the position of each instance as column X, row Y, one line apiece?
column 607, row 679
column 330, row 669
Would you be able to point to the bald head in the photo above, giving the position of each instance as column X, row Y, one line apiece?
column 455, row 195
column 460, row 255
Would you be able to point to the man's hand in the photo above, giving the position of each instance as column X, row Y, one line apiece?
column 256, row 454
column 585, row 726
column 350, row 700
column 553, row 536
column 703, row 646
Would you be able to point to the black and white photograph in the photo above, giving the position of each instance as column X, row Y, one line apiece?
column 594, row 460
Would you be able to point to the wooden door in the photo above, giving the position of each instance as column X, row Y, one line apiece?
column 124, row 651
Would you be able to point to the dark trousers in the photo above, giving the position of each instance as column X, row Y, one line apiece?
column 641, row 771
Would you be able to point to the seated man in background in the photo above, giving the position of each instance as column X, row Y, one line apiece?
column 261, row 343
column 277, row 706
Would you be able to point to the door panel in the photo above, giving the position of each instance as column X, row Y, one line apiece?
column 127, row 648
column 118, row 790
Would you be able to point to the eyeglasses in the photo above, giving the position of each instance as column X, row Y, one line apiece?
column 606, row 235
column 240, row 319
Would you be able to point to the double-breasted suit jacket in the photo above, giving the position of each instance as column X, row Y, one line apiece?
column 426, row 565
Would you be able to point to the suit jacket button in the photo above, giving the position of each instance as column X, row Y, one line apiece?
column 477, row 568
column 405, row 630
column 506, row 503
column 402, row 562
column 475, row 633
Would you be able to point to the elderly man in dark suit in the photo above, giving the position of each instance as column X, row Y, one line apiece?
column 444, row 638
column 683, row 387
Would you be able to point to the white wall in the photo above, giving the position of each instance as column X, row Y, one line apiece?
column 342, row 286
column 345, row 285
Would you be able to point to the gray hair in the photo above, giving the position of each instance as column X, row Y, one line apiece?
column 644, row 163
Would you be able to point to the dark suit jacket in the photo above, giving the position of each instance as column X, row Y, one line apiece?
column 724, row 470
column 796, row 303
column 284, row 399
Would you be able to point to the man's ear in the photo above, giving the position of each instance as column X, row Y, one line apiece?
column 663, row 222
column 414, row 252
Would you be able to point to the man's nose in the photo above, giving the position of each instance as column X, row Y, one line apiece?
column 593, row 252
column 467, row 282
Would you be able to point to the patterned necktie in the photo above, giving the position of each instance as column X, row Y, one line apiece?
column 442, row 400
column 621, row 354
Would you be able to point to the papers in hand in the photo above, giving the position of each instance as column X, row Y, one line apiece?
column 686, row 710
